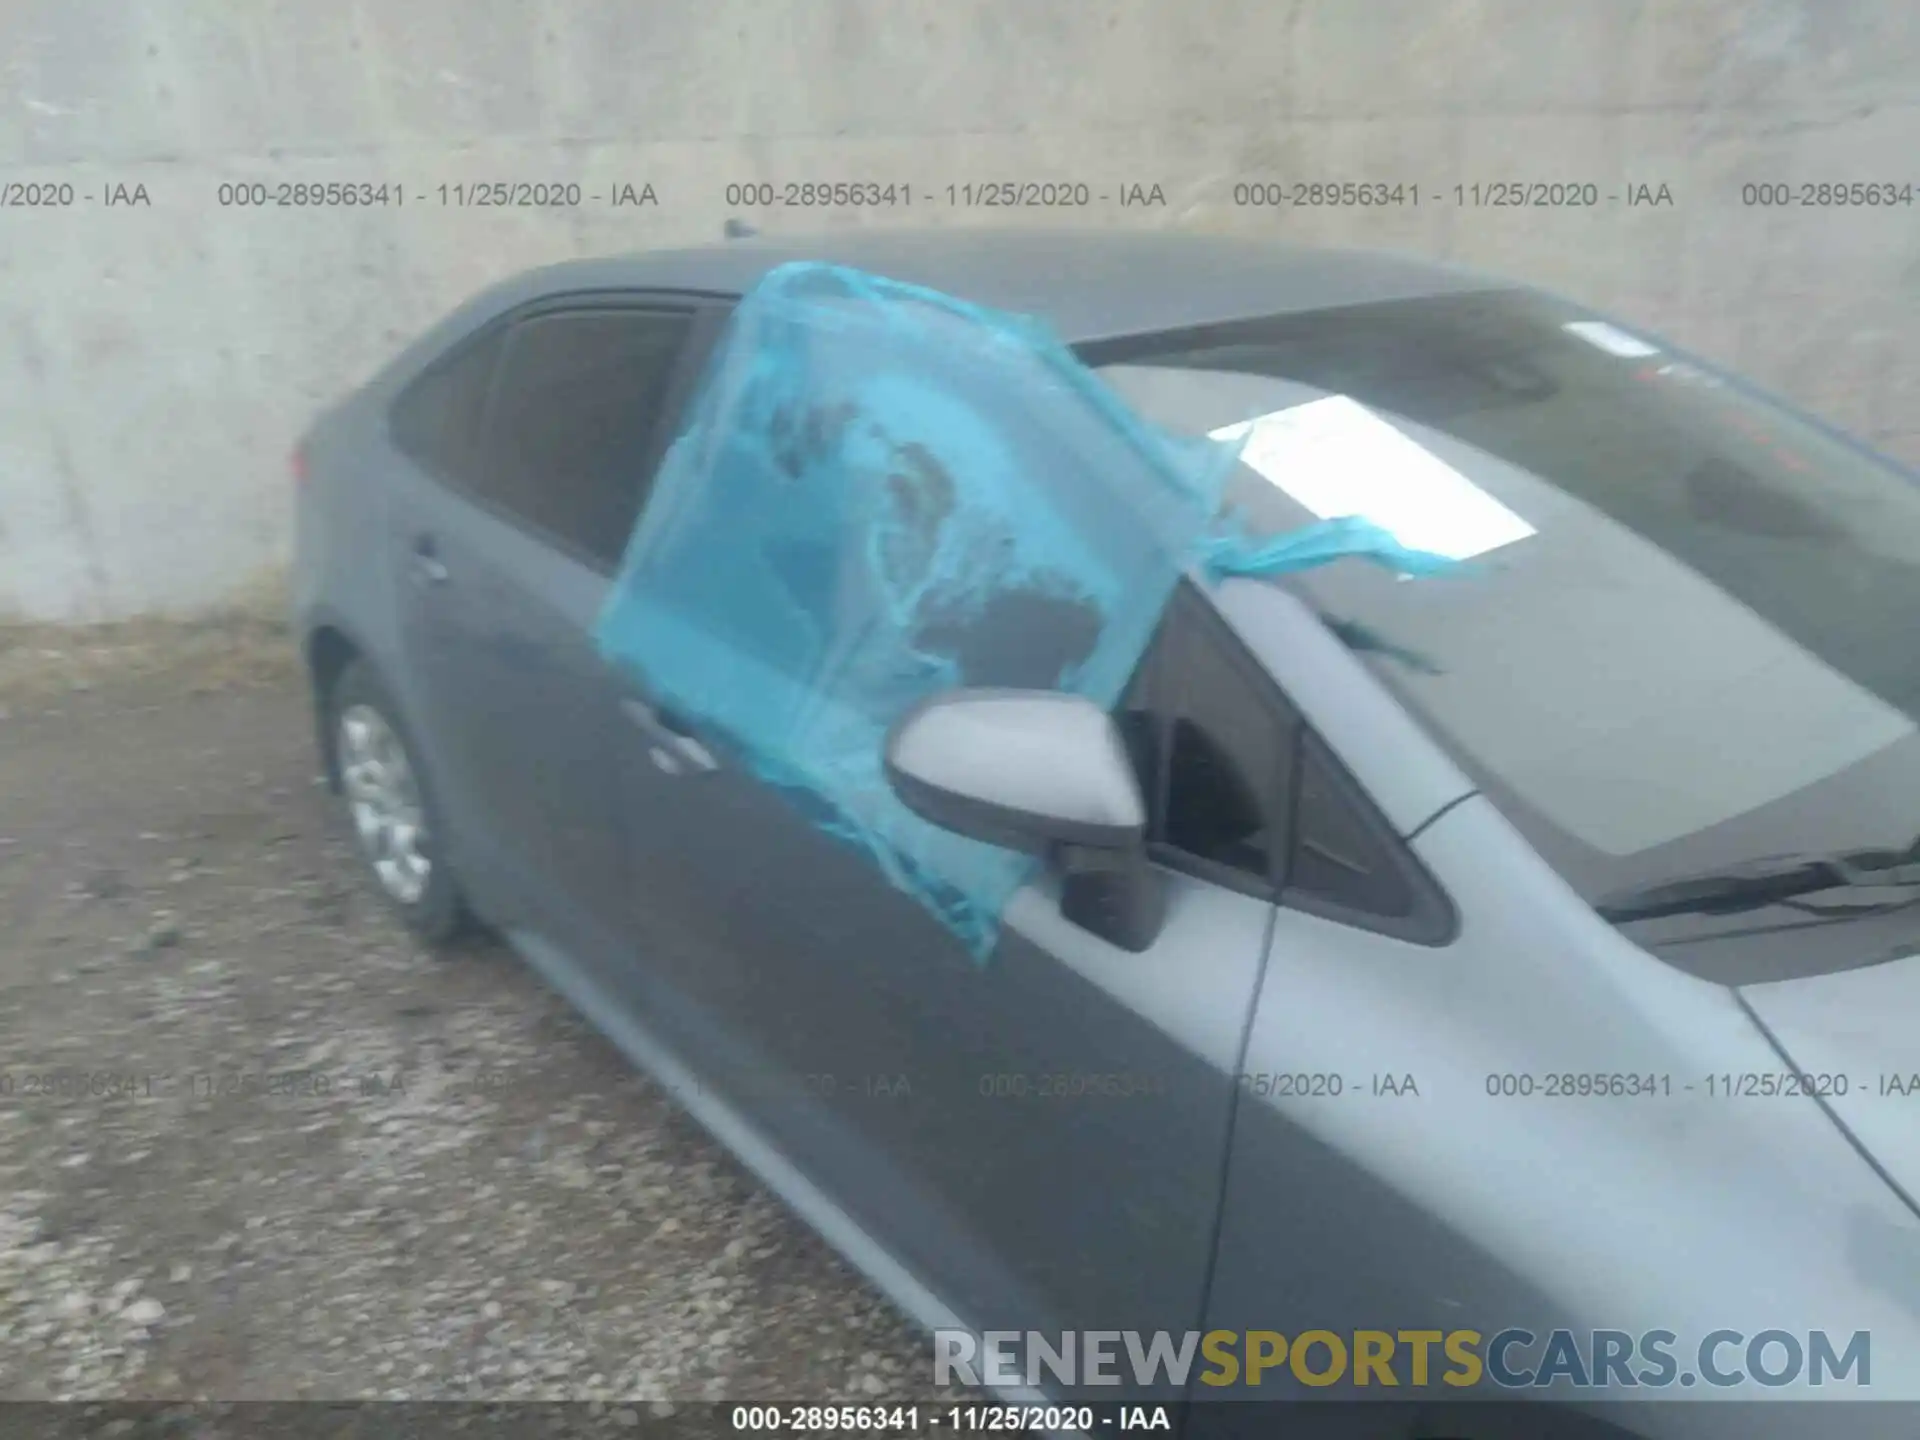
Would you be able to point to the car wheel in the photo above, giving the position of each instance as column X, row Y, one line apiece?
column 396, row 827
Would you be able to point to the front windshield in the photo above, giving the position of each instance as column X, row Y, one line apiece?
column 1683, row 634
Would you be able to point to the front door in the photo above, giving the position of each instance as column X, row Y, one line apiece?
column 1040, row 1138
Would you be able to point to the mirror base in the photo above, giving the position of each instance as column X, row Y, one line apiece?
column 1118, row 896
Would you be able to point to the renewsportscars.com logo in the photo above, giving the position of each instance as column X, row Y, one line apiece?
column 1511, row 1359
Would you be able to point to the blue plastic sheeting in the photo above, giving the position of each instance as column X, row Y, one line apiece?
column 873, row 479
column 881, row 493
column 1224, row 551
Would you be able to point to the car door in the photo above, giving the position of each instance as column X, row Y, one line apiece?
column 533, row 444
column 1040, row 1139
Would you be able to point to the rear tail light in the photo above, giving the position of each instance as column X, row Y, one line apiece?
column 298, row 463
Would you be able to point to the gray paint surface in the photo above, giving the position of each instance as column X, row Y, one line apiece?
column 711, row 929
column 156, row 362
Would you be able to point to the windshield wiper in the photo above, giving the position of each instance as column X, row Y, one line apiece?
column 1770, row 880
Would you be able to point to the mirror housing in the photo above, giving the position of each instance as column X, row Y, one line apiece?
column 1025, row 769
column 1037, row 770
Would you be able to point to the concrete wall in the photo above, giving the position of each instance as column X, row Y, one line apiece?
column 156, row 360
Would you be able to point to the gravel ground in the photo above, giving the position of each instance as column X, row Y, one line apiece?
column 487, row 1202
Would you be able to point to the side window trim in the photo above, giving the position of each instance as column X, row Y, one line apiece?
column 491, row 333
column 701, row 304
column 1189, row 609
column 603, row 303
column 707, row 324
column 706, row 317
column 1434, row 920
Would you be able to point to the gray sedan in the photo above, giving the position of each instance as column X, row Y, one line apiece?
column 1525, row 949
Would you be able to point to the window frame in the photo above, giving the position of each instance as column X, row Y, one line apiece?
column 1433, row 921
column 1188, row 610
column 706, row 316
column 491, row 332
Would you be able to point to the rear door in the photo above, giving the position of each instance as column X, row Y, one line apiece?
column 534, row 445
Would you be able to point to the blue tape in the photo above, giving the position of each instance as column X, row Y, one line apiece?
column 1225, row 552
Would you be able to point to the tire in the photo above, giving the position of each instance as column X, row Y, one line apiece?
column 392, row 818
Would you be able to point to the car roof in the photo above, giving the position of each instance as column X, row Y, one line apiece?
column 1087, row 284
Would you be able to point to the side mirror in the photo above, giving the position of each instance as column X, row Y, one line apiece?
column 1021, row 768
column 1037, row 770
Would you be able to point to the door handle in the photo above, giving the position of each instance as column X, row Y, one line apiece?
column 425, row 567
column 674, row 751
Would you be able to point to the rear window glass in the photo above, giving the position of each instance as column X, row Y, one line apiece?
column 437, row 420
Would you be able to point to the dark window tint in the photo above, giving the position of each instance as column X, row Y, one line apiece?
column 571, row 435
column 437, row 421
column 1233, row 777
column 1139, row 724
column 1228, row 745
column 1343, row 853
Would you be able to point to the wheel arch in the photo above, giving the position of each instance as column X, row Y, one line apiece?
column 329, row 649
